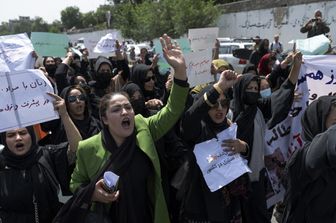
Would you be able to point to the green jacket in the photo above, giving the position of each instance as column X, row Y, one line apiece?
column 91, row 155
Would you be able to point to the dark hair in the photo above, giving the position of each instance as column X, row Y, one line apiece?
column 79, row 88
column 45, row 60
column 105, row 100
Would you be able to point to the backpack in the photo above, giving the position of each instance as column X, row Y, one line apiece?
column 279, row 45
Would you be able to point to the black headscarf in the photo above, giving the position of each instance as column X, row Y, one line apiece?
column 102, row 80
column 121, row 158
column 211, row 129
column 65, row 94
column 89, row 125
column 139, row 73
column 21, row 162
column 314, row 119
column 50, row 68
column 199, row 203
column 138, row 105
column 244, row 114
column 44, row 186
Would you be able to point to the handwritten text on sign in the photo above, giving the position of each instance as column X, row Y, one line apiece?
column 199, row 67
column 202, row 39
column 24, row 99
column 50, row 44
column 218, row 168
column 106, row 44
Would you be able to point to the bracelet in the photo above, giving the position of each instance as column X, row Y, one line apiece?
column 218, row 89
column 207, row 101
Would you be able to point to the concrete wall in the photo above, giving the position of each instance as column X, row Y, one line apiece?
column 285, row 21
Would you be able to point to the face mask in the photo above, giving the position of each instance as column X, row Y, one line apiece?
column 103, row 79
column 138, row 106
column 266, row 93
column 251, row 98
column 51, row 69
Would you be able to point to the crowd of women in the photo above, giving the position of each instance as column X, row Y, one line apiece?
column 143, row 126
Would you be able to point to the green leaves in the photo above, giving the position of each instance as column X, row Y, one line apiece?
column 149, row 20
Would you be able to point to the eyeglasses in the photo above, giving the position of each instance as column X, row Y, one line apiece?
column 224, row 103
column 149, row 78
column 73, row 98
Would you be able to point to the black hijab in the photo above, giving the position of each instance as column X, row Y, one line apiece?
column 244, row 114
column 199, row 203
column 138, row 105
column 121, row 158
column 211, row 129
column 44, row 186
column 21, row 162
column 139, row 73
column 87, row 127
column 314, row 119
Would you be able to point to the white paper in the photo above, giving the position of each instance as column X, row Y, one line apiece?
column 24, row 100
column 218, row 168
column 16, row 53
column 76, row 51
column 204, row 38
column 199, row 67
column 106, row 44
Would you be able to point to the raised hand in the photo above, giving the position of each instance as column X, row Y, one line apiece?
column 154, row 104
column 59, row 104
column 227, row 79
column 295, row 71
column 298, row 58
column 174, row 56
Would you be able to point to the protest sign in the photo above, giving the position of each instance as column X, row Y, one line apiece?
column 218, row 168
column 89, row 40
column 184, row 45
column 24, row 100
column 317, row 45
column 317, row 78
column 199, row 67
column 16, row 53
column 201, row 39
column 50, row 44
column 106, row 44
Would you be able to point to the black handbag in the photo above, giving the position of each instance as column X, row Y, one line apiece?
column 77, row 208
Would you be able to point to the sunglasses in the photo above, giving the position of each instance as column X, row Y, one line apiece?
column 73, row 98
column 224, row 103
column 149, row 78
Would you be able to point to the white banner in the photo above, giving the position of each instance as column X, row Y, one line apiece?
column 317, row 78
column 106, row 44
column 16, row 53
column 199, row 67
column 219, row 168
column 202, row 39
column 24, row 100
